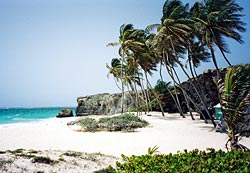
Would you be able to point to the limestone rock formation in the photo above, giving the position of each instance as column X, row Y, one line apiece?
column 65, row 113
column 101, row 104
column 111, row 103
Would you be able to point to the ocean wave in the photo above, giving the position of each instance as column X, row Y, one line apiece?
column 23, row 119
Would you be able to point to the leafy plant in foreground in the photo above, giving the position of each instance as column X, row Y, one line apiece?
column 234, row 94
column 211, row 161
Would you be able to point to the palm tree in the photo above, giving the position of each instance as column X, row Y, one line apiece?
column 125, row 32
column 173, row 38
column 143, row 60
column 214, row 20
column 115, row 70
column 197, row 53
column 234, row 96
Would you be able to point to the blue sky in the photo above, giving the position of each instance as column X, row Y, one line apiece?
column 51, row 52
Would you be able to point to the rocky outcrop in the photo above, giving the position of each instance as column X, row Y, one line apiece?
column 65, row 113
column 101, row 104
column 111, row 103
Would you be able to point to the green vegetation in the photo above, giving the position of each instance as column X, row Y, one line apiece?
column 42, row 159
column 185, row 162
column 17, row 151
column 109, row 169
column 234, row 93
column 72, row 154
column 183, row 40
column 88, row 124
column 126, row 122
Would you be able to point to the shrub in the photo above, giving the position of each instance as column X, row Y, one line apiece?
column 88, row 124
column 109, row 169
column 41, row 159
column 192, row 161
column 127, row 122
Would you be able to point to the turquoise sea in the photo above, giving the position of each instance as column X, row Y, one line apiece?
column 23, row 115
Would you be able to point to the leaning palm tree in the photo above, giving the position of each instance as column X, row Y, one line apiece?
column 172, row 37
column 172, row 41
column 125, row 32
column 143, row 60
column 115, row 70
column 234, row 96
column 213, row 20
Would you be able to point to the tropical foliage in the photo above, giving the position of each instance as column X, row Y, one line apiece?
column 183, row 40
column 193, row 161
column 125, row 122
column 234, row 93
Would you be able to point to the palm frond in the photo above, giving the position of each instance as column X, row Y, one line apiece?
column 234, row 95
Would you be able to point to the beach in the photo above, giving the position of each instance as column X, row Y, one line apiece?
column 171, row 134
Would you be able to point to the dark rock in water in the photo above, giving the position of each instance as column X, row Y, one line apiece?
column 65, row 113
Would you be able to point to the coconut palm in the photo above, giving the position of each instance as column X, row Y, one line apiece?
column 172, row 36
column 197, row 53
column 125, row 32
column 115, row 70
column 234, row 96
column 172, row 40
column 143, row 60
column 213, row 21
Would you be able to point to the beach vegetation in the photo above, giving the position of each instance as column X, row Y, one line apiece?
column 109, row 169
column 17, row 151
column 88, row 124
column 196, row 160
column 42, row 159
column 72, row 154
column 61, row 159
column 2, row 152
column 213, row 21
column 125, row 122
column 234, row 94
column 185, row 38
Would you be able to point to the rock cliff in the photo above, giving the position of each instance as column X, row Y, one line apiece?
column 111, row 103
column 99, row 104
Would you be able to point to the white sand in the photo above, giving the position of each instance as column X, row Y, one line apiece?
column 170, row 133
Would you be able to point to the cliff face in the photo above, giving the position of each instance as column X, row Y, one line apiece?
column 100, row 104
column 111, row 103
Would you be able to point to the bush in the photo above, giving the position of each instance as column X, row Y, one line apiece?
column 193, row 161
column 41, row 159
column 127, row 122
column 88, row 124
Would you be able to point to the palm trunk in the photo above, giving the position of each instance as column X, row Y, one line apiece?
column 178, row 105
column 145, row 97
column 156, row 96
column 184, row 71
column 224, row 56
column 202, row 101
column 184, row 92
column 122, row 99
column 185, row 96
column 137, row 100
column 215, row 62
column 170, row 92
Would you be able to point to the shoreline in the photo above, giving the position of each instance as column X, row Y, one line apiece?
column 171, row 133
column 93, row 151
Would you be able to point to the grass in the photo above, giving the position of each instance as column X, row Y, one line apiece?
column 126, row 122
